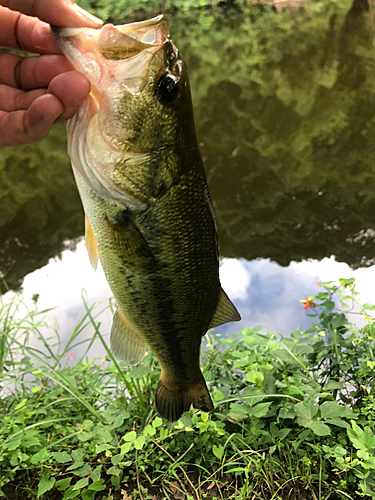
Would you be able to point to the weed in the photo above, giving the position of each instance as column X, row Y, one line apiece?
column 294, row 416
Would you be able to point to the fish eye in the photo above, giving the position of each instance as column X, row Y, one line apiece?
column 167, row 89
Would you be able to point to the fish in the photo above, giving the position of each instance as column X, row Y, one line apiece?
column 148, row 214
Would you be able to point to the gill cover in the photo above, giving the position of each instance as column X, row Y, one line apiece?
column 115, row 59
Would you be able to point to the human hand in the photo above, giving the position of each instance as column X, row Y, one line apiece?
column 35, row 92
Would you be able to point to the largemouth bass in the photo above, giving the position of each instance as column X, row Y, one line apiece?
column 149, row 217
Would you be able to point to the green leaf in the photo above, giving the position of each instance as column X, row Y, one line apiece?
column 139, row 442
column 61, row 457
column 21, row 405
column 369, row 307
column 45, row 484
column 13, row 443
column 252, row 395
column 306, row 409
column 331, row 409
column 40, row 457
column 103, row 435
column 319, row 428
column 116, row 459
column 95, row 475
column 78, row 455
column 81, row 483
column 117, row 421
column 88, row 494
column 238, row 412
column 82, row 470
column 329, row 305
column 355, row 435
column 346, row 281
column 149, row 430
column 339, row 320
column 204, row 417
column 284, row 356
column 369, row 437
column 97, row 485
column 31, row 441
column 338, row 422
column 260, row 409
column 139, row 371
column 331, row 385
column 283, row 433
column 125, row 447
column 303, row 349
column 130, row 436
column 63, row 484
column 157, row 422
column 330, row 285
column 70, row 493
column 102, row 447
column 75, row 465
column 218, row 451
column 254, row 377
column 84, row 436
column 115, row 471
column 217, row 395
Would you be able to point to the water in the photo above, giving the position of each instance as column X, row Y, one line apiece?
column 284, row 104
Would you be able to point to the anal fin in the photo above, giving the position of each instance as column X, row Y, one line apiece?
column 225, row 311
column 126, row 343
column 91, row 247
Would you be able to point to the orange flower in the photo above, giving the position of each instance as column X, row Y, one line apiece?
column 71, row 353
column 308, row 303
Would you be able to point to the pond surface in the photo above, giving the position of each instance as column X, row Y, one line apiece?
column 284, row 100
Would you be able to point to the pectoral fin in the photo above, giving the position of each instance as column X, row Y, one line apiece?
column 91, row 247
column 126, row 343
column 225, row 311
column 129, row 244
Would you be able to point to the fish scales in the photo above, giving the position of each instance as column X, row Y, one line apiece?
column 149, row 216
column 158, row 294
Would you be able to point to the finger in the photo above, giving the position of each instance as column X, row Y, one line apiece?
column 71, row 89
column 13, row 99
column 26, row 33
column 25, row 127
column 58, row 12
column 31, row 72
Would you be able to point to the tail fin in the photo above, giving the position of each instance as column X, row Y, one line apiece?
column 171, row 402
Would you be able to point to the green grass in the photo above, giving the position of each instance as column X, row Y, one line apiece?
column 294, row 417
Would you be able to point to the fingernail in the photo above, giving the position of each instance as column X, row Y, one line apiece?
column 42, row 50
column 94, row 21
column 57, row 115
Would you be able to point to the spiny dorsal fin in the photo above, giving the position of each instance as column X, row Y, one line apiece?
column 91, row 247
column 225, row 311
column 126, row 343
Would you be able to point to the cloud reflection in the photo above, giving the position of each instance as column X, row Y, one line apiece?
column 272, row 295
column 264, row 292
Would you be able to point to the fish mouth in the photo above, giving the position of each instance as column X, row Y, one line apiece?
column 116, row 60
column 114, row 56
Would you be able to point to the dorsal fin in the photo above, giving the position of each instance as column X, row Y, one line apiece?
column 225, row 311
column 91, row 247
column 126, row 343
